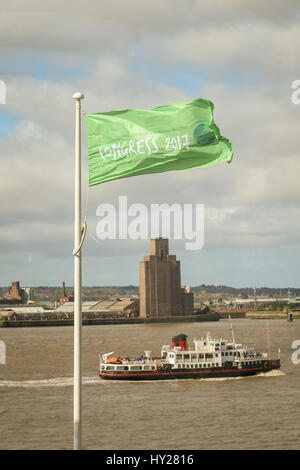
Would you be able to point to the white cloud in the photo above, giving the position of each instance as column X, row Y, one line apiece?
column 130, row 51
column 242, row 46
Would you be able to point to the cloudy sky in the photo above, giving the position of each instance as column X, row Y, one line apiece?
column 140, row 54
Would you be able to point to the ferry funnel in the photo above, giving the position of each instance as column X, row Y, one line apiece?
column 180, row 341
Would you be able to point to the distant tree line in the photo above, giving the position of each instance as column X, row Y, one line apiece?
column 106, row 292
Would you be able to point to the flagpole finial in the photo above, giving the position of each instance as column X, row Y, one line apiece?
column 78, row 96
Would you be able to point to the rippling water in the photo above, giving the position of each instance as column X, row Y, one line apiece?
column 36, row 394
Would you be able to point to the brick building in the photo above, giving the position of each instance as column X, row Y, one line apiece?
column 64, row 296
column 161, row 293
column 19, row 294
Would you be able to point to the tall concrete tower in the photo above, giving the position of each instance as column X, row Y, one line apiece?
column 160, row 283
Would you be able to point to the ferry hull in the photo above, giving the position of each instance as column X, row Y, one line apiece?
column 217, row 372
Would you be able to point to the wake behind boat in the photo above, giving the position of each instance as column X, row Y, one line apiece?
column 208, row 358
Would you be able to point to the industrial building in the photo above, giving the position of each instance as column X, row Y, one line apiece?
column 161, row 293
column 103, row 308
column 16, row 295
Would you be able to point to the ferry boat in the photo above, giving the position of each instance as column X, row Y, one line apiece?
column 208, row 358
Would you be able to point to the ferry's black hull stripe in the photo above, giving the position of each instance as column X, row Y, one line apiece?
column 189, row 373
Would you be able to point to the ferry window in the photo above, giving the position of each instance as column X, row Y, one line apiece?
column 186, row 356
column 192, row 365
column 146, row 367
column 222, row 354
column 179, row 357
column 208, row 365
column 213, row 365
column 110, row 368
column 204, row 344
column 204, row 365
column 187, row 366
column 217, row 355
column 179, row 366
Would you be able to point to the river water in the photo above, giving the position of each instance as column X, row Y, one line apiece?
column 36, row 394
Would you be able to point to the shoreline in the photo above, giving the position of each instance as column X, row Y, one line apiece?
column 207, row 317
column 271, row 316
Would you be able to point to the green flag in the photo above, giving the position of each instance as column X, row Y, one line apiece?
column 137, row 141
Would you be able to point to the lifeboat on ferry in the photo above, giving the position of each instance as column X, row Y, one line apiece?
column 113, row 360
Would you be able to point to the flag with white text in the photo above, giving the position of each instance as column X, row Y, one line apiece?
column 133, row 142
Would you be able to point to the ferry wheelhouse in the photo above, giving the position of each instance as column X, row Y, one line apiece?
column 208, row 358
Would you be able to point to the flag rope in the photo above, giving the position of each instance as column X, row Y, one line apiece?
column 83, row 233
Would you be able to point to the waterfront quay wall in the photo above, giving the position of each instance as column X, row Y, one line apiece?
column 237, row 313
column 265, row 315
column 206, row 317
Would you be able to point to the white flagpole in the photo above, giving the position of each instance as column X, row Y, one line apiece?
column 77, row 280
column 233, row 340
